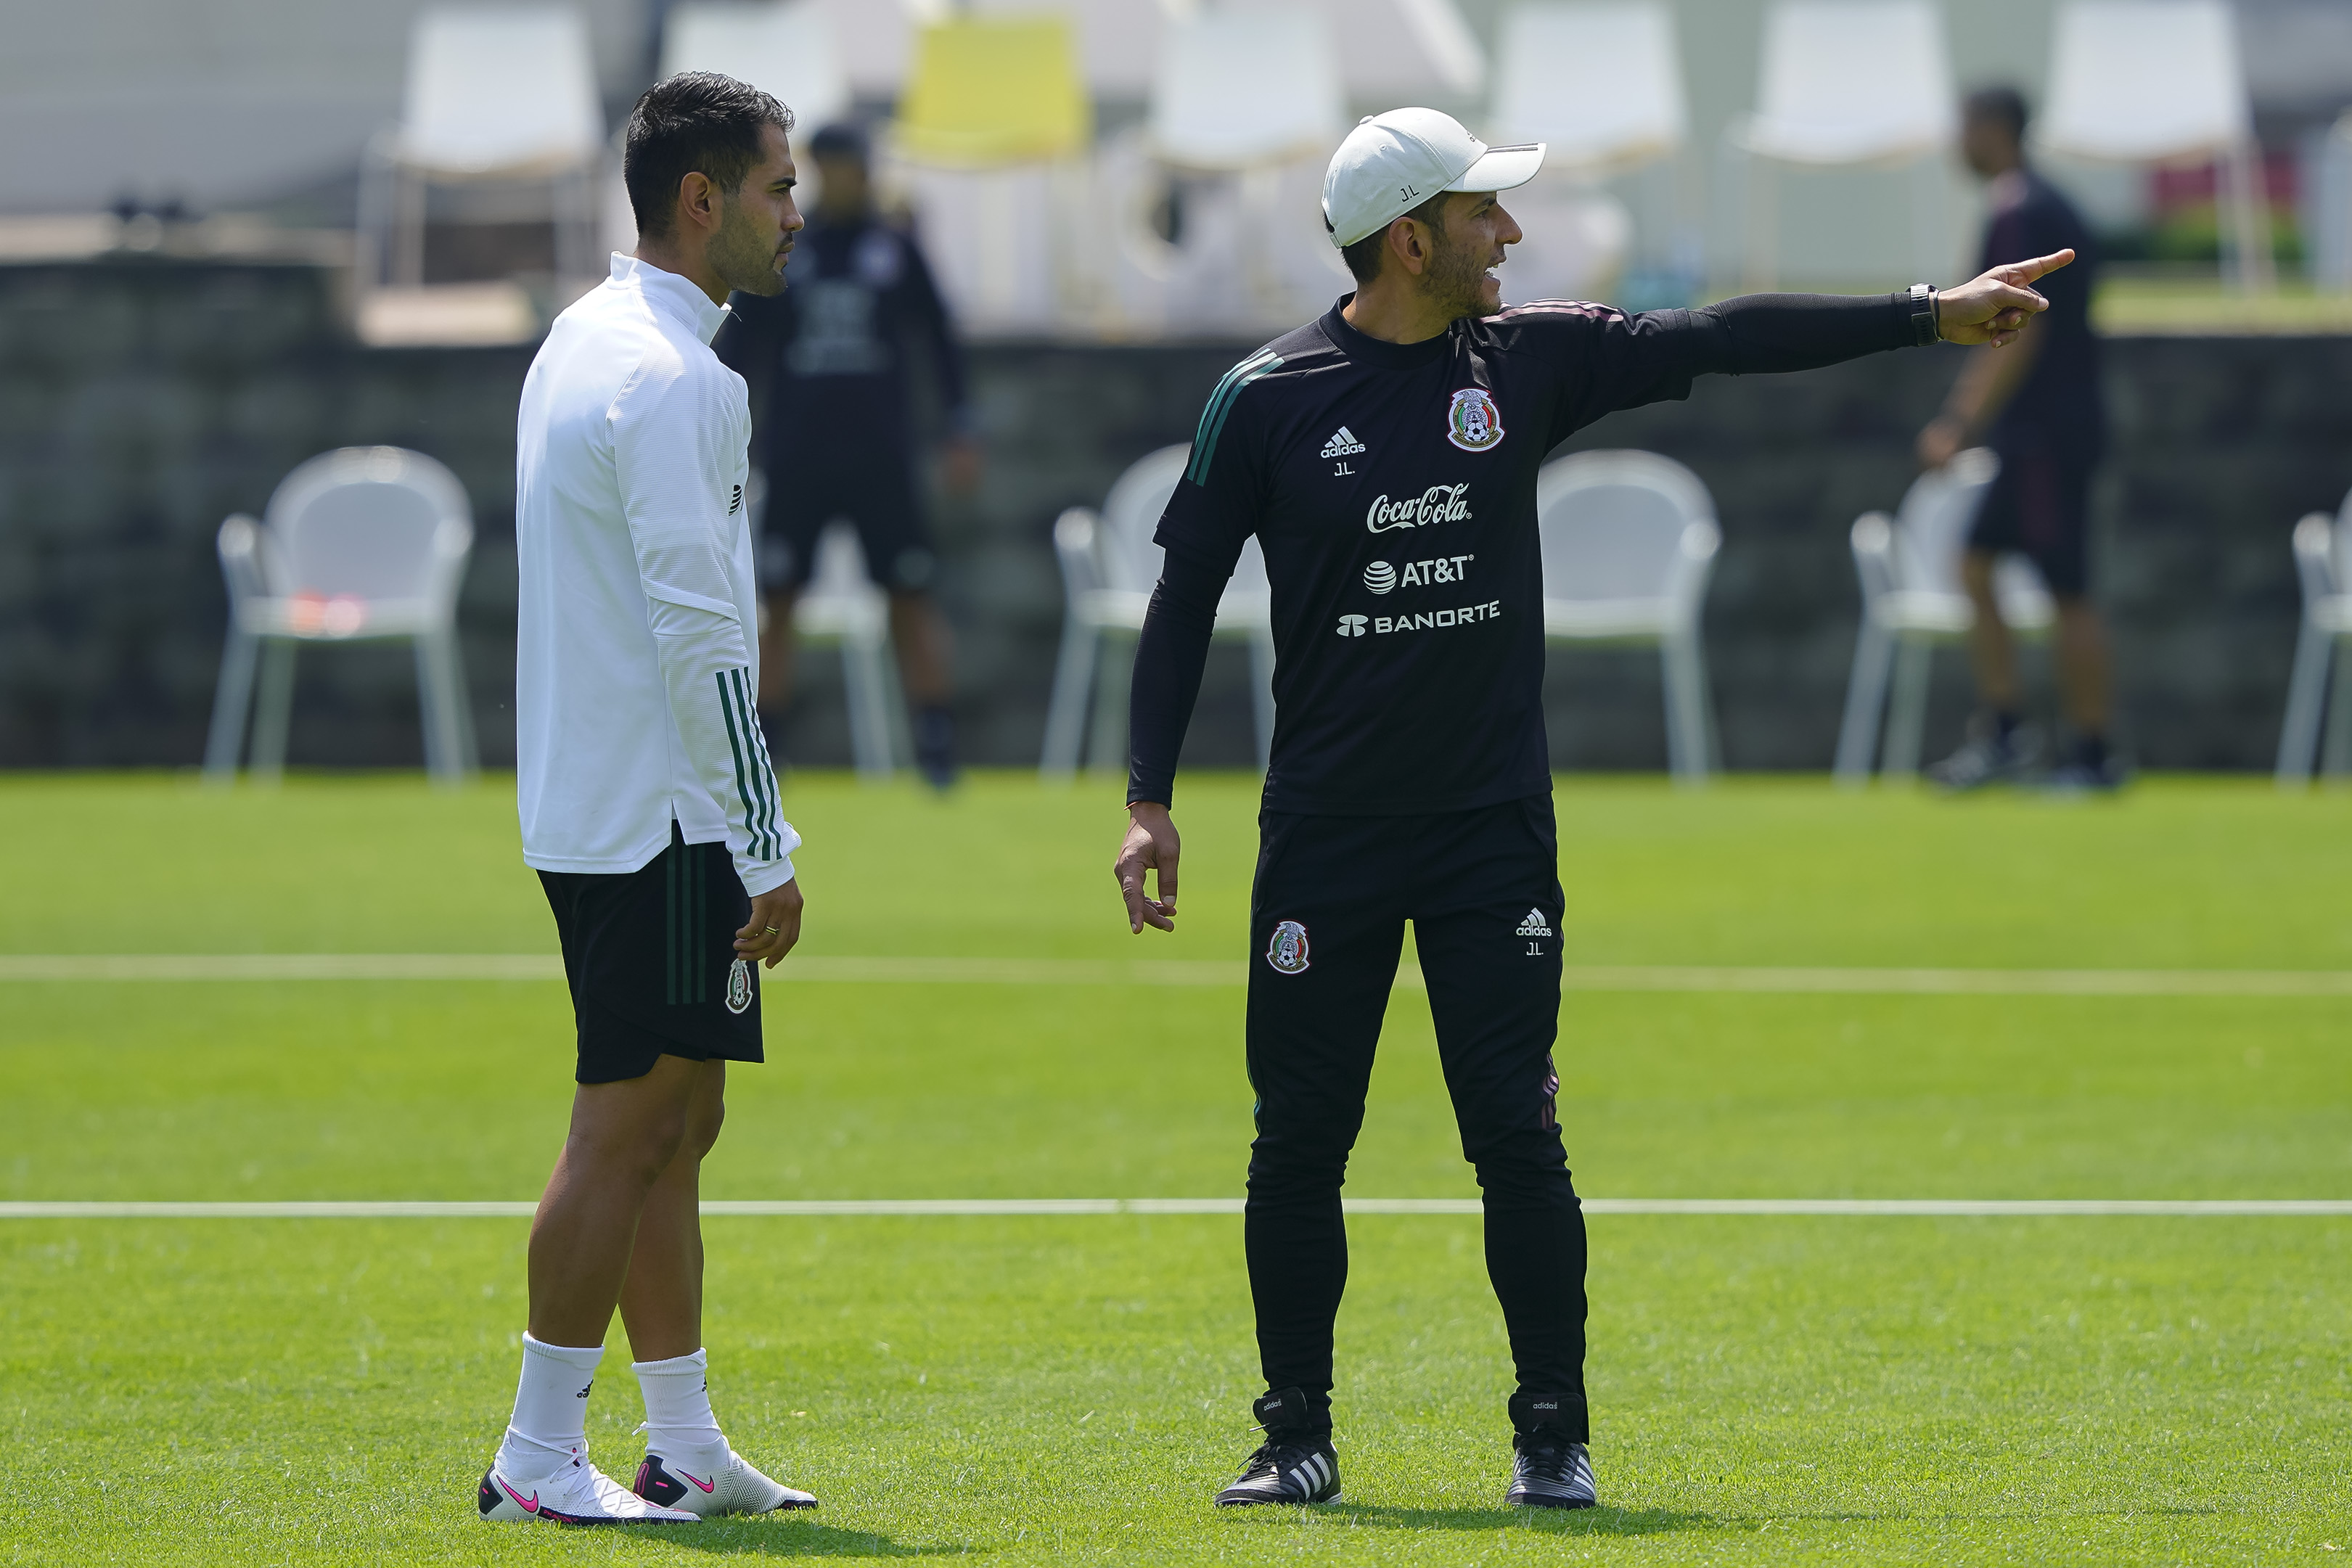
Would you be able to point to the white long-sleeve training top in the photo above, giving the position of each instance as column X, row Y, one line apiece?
column 638, row 642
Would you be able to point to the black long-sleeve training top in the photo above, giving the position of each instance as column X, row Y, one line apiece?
column 1392, row 488
column 829, row 360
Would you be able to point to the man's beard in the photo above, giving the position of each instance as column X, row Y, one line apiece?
column 1458, row 280
column 744, row 258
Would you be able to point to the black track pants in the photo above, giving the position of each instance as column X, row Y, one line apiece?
column 1328, row 914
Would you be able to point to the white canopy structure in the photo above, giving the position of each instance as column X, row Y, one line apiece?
column 2161, row 82
column 1406, row 49
column 1845, row 83
column 789, row 50
column 1599, row 84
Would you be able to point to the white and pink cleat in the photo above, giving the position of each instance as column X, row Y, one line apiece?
column 577, row 1493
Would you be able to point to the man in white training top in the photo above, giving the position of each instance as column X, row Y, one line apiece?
column 648, row 806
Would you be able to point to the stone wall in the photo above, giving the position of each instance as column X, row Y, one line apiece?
column 141, row 401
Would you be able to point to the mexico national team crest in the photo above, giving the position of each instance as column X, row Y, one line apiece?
column 1474, row 423
column 739, row 987
column 1288, row 951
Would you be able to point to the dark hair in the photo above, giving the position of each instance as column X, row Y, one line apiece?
column 696, row 123
column 2002, row 104
column 1363, row 257
column 842, row 138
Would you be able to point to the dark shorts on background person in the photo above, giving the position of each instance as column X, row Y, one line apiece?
column 878, row 496
column 650, row 958
column 2039, row 507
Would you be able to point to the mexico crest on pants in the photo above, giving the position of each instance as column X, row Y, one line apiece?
column 739, row 987
column 1288, row 951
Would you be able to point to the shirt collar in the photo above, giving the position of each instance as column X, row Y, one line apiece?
column 677, row 296
column 1366, row 350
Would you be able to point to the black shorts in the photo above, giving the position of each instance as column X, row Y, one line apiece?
column 2039, row 507
column 1327, row 924
column 650, row 956
column 877, row 496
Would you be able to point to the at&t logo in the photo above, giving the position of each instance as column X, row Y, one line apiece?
column 1351, row 625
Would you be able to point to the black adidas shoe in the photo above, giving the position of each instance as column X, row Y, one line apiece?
column 1548, row 1472
column 1549, row 1468
column 1295, row 1464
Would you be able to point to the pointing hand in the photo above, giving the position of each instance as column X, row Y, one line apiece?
column 1992, row 308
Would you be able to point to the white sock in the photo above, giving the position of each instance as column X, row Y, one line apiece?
column 677, row 1403
column 550, row 1411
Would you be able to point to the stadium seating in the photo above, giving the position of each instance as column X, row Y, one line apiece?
column 1110, row 564
column 1912, row 600
column 2323, row 652
column 1629, row 541
column 365, row 543
column 506, row 95
column 1847, row 82
column 2144, row 81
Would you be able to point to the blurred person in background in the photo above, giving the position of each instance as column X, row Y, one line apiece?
column 2037, row 406
column 832, row 365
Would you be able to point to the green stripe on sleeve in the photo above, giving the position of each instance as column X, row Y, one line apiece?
column 735, row 744
column 1221, row 405
column 1213, row 416
column 763, row 777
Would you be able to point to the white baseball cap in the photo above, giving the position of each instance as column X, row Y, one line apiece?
column 1393, row 163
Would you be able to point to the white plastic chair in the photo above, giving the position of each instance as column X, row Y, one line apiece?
column 2323, row 561
column 839, row 603
column 2140, row 81
column 491, row 94
column 788, row 49
column 1109, row 566
column 1600, row 85
column 1629, row 541
column 1912, row 600
column 1847, row 82
column 362, row 544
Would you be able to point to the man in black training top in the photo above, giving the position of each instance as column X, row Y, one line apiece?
column 837, row 424
column 1385, row 456
column 2039, row 408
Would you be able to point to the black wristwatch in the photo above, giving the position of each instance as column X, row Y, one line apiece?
column 1925, row 328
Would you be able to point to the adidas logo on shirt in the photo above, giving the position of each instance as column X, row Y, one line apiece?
column 1533, row 926
column 1342, row 445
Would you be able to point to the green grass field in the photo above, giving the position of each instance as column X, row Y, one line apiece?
column 1767, row 1388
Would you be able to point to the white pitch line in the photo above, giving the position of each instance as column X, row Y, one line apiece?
column 1752, row 980
column 981, row 1206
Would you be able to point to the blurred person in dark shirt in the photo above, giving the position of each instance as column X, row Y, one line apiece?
column 831, row 364
column 2038, row 407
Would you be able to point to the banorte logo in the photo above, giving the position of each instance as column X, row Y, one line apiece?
column 1438, row 504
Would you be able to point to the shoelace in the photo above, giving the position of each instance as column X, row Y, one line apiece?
column 1551, row 1462
column 1269, row 1459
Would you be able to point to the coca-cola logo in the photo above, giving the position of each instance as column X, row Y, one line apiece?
column 1438, row 504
